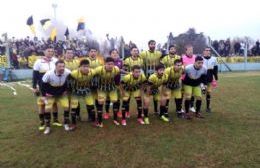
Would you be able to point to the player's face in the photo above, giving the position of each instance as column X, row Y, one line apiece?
column 84, row 69
column 49, row 53
column 177, row 66
column 189, row 51
column 60, row 67
column 198, row 64
column 152, row 46
column 172, row 50
column 160, row 71
column 114, row 54
column 109, row 66
column 207, row 52
column 134, row 52
column 136, row 73
column 69, row 54
column 92, row 53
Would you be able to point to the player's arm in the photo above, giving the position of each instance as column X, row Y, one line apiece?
column 36, row 75
column 45, row 84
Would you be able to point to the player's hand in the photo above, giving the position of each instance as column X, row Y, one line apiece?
column 64, row 93
column 49, row 95
column 35, row 90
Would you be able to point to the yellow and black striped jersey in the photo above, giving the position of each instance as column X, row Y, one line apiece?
column 151, row 60
column 173, row 75
column 155, row 81
column 107, row 77
column 72, row 64
column 130, row 81
column 82, row 80
column 94, row 63
column 130, row 62
column 168, row 60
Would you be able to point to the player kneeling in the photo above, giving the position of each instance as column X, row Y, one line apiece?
column 54, row 90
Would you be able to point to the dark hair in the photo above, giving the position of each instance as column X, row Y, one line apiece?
column 206, row 47
column 136, row 67
column 67, row 49
column 46, row 47
column 110, row 52
column 177, row 61
column 109, row 59
column 198, row 58
column 151, row 41
column 92, row 48
column 160, row 66
column 84, row 62
column 171, row 47
column 188, row 46
column 133, row 48
column 59, row 62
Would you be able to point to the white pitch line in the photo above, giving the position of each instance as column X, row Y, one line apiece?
column 25, row 85
column 10, row 87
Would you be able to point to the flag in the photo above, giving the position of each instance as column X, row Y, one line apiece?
column 45, row 23
column 67, row 33
column 53, row 34
column 81, row 24
column 29, row 22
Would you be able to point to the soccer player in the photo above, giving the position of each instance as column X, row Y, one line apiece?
column 169, row 59
column 151, row 59
column 195, row 80
column 133, row 60
column 131, row 86
column 119, row 63
column 80, row 82
column 155, row 89
column 173, row 86
column 107, row 89
column 54, row 90
column 210, row 62
column 72, row 63
column 40, row 67
column 187, row 59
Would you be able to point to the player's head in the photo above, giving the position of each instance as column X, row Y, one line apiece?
column 160, row 69
column 59, row 67
column 177, row 64
column 48, row 51
column 172, row 49
column 136, row 70
column 92, row 52
column 152, row 45
column 189, row 50
column 84, row 66
column 207, row 51
column 69, row 53
column 114, row 54
column 134, row 51
column 198, row 62
column 109, row 64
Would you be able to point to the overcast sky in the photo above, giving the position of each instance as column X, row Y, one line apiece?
column 139, row 20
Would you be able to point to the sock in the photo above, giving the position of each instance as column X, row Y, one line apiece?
column 55, row 116
column 139, row 107
column 47, row 118
column 167, row 108
column 187, row 106
column 208, row 100
column 115, row 109
column 125, row 103
column 107, row 106
column 99, row 113
column 155, row 102
column 192, row 101
column 91, row 112
column 198, row 106
column 162, row 110
column 41, row 117
column 145, row 112
column 73, row 116
column 178, row 103
column 66, row 116
column 78, row 110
